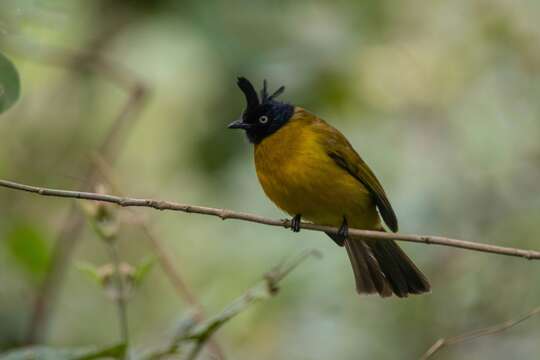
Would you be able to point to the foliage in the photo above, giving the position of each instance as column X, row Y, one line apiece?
column 29, row 247
column 10, row 87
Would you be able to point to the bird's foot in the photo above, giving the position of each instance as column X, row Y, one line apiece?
column 343, row 231
column 295, row 223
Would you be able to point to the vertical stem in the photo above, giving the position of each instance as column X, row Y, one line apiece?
column 109, row 148
column 120, row 294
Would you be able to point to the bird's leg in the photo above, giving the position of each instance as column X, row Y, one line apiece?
column 343, row 231
column 342, row 234
column 339, row 238
column 295, row 223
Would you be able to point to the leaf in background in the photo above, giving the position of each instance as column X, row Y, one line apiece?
column 142, row 270
column 29, row 247
column 10, row 86
column 47, row 353
column 90, row 270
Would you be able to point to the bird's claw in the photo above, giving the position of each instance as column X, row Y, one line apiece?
column 295, row 223
column 343, row 231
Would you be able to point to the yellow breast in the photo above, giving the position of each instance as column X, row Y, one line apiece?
column 297, row 174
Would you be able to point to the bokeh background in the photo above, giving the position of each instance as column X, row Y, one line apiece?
column 441, row 99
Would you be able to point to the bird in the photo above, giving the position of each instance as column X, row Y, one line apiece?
column 309, row 170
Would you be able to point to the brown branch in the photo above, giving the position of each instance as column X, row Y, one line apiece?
column 263, row 290
column 495, row 329
column 74, row 223
column 82, row 60
column 229, row 214
column 164, row 259
column 167, row 264
column 180, row 285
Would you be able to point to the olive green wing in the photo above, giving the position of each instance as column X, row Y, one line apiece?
column 341, row 151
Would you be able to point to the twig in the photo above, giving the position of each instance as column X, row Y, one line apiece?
column 229, row 214
column 105, row 224
column 180, row 285
column 174, row 276
column 263, row 290
column 444, row 342
column 164, row 259
column 120, row 297
column 74, row 223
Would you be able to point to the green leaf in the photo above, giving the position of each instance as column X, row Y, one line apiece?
column 48, row 353
column 10, row 85
column 90, row 270
column 142, row 270
column 30, row 249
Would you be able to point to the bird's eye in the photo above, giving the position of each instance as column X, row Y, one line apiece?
column 263, row 119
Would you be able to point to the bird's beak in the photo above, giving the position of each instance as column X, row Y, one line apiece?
column 239, row 124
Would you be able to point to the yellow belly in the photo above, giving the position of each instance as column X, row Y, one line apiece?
column 300, row 178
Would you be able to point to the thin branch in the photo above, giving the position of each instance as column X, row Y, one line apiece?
column 71, row 229
column 164, row 259
column 174, row 276
column 265, row 289
column 74, row 223
column 110, row 146
column 121, row 294
column 166, row 262
column 105, row 225
column 229, row 214
column 495, row 329
column 180, row 285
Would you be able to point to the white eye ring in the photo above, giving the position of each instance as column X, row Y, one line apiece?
column 263, row 119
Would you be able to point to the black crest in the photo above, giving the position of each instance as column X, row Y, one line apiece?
column 249, row 92
column 263, row 114
column 251, row 95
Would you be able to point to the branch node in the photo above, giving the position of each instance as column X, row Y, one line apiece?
column 286, row 223
column 271, row 283
column 123, row 202
column 224, row 214
column 157, row 204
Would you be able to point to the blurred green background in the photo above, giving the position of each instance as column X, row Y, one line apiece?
column 441, row 99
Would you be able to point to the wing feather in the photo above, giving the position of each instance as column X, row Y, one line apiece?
column 342, row 152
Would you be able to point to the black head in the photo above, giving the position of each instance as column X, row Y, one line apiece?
column 263, row 116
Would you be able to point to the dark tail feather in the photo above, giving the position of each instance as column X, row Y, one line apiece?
column 403, row 275
column 367, row 272
column 381, row 266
